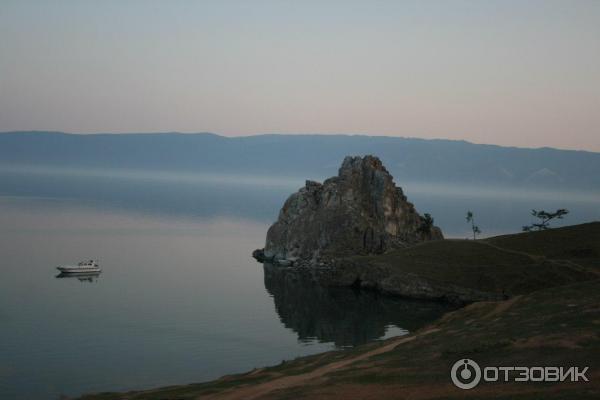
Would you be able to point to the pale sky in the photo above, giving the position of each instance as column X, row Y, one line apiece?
column 520, row 73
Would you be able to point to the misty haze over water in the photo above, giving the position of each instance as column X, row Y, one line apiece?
column 180, row 299
column 188, row 195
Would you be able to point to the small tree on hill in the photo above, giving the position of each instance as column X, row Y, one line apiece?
column 474, row 228
column 544, row 219
column 426, row 223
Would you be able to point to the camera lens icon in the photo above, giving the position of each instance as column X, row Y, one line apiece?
column 465, row 374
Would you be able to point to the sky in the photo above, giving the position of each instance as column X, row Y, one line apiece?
column 518, row 73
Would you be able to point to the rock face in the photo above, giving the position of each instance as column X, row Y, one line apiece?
column 360, row 211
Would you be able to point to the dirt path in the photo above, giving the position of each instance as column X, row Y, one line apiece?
column 256, row 391
column 517, row 252
column 502, row 306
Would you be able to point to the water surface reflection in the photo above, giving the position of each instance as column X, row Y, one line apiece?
column 81, row 276
column 343, row 316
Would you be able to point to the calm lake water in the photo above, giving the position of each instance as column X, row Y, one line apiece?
column 180, row 299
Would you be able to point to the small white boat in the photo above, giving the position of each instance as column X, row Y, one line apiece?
column 82, row 267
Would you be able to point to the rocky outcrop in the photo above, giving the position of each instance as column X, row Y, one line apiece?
column 386, row 279
column 360, row 211
column 390, row 280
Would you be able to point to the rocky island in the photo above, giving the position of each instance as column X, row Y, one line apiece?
column 361, row 211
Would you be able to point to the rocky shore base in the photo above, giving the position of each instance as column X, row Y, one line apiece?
column 454, row 271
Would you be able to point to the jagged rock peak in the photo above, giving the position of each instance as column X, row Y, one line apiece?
column 360, row 211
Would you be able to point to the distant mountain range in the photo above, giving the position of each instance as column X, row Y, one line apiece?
column 306, row 156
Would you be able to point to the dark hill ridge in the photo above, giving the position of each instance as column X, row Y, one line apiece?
column 578, row 243
column 316, row 156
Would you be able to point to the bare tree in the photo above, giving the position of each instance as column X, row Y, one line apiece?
column 474, row 228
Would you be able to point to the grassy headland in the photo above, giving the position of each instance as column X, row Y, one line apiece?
column 551, row 318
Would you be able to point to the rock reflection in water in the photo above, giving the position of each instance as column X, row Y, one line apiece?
column 344, row 316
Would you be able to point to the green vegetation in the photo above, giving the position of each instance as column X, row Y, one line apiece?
column 426, row 223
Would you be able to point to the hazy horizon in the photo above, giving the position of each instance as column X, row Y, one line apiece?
column 509, row 73
column 291, row 134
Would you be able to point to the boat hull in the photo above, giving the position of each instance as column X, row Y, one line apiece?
column 76, row 270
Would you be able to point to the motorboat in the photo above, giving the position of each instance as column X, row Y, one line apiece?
column 82, row 267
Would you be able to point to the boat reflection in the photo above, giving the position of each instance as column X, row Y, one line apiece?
column 344, row 316
column 81, row 276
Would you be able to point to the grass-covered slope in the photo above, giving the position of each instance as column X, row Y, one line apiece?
column 491, row 269
column 578, row 243
column 553, row 319
column 480, row 266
